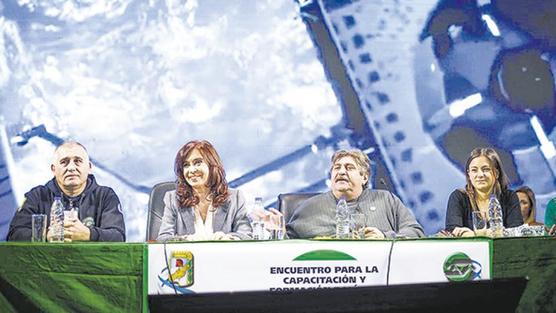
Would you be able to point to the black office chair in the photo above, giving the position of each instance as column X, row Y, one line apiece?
column 288, row 202
column 156, row 208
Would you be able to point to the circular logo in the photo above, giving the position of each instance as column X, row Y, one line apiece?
column 88, row 221
column 459, row 267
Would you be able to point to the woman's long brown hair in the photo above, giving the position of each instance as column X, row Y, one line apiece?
column 217, row 176
column 500, row 184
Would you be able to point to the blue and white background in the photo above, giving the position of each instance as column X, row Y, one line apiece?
column 133, row 80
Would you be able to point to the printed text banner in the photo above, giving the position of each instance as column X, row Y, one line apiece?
column 247, row 266
column 299, row 264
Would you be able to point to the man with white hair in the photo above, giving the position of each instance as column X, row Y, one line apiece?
column 99, row 217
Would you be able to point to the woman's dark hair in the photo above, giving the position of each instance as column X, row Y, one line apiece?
column 216, row 180
column 533, row 208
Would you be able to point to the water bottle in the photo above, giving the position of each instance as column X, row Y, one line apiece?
column 496, row 219
column 57, row 221
column 342, row 219
column 256, row 223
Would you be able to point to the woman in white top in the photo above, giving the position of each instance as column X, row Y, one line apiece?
column 202, row 207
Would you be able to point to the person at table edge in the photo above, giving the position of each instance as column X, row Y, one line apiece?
column 100, row 216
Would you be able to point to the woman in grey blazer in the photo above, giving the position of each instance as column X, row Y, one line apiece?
column 202, row 207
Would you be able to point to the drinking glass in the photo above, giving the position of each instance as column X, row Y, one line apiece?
column 276, row 227
column 357, row 225
column 38, row 228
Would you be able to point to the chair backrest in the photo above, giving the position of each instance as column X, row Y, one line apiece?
column 288, row 202
column 156, row 208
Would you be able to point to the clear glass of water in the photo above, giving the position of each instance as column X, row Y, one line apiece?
column 38, row 227
column 276, row 227
column 357, row 225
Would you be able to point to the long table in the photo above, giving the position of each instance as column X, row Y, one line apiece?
column 111, row 277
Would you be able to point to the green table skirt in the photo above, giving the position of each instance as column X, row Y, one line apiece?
column 80, row 277
column 534, row 258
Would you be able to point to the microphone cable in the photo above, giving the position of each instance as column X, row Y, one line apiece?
column 390, row 261
column 383, row 183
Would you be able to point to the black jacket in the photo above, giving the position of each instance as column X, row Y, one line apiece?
column 459, row 210
column 99, row 209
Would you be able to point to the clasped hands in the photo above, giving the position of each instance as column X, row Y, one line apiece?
column 373, row 233
column 74, row 230
column 468, row 232
column 460, row 232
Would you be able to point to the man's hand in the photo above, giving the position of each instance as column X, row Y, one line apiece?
column 373, row 233
column 49, row 234
column 74, row 230
column 463, row 232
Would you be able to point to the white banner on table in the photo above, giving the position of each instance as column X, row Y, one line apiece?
column 294, row 265
column 274, row 266
column 439, row 261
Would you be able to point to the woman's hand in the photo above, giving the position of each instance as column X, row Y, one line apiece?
column 221, row 236
column 463, row 232
column 485, row 232
column 273, row 219
column 180, row 238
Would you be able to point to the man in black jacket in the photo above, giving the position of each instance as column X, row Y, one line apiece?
column 100, row 216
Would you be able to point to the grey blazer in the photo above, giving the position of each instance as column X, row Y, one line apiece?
column 230, row 218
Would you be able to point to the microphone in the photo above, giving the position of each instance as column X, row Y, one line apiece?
column 387, row 187
column 383, row 183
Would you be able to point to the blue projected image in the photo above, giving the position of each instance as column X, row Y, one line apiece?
column 436, row 79
column 495, row 73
